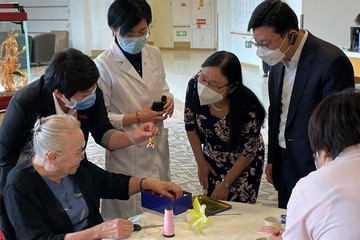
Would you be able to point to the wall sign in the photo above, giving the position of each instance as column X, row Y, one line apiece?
column 201, row 21
column 181, row 33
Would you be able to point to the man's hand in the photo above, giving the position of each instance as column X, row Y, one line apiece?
column 268, row 172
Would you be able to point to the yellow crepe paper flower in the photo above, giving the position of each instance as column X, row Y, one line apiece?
column 198, row 217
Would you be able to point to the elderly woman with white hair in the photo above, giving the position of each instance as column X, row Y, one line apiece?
column 56, row 195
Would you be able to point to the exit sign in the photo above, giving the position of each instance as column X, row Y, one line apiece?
column 181, row 33
column 248, row 44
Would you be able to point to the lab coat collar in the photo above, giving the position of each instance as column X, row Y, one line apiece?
column 125, row 64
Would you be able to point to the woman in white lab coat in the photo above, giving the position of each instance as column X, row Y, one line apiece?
column 132, row 76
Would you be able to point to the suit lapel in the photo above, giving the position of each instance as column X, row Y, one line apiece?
column 278, row 83
column 303, row 72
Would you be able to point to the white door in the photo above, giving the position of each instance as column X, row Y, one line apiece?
column 202, row 38
column 163, row 23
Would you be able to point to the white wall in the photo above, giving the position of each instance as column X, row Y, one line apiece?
column 46, row 15
column 80, row 27
column 224, row 26
column 101, row 34
column 331, row 21
column 240, row 16
column 328, row 19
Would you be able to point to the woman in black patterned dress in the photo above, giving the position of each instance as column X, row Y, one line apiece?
column 223, row 119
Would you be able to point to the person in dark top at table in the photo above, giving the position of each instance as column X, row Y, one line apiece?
column 304, row 70
column 69, row 86
column 223, row 119
column 56, row 195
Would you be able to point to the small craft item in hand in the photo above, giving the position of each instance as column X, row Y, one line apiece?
column 151, row 143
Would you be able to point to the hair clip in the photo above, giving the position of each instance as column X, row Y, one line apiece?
column 38, row 124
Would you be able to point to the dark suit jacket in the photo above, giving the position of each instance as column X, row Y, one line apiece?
column 34, row 210
column 322, row 70
column 34, row 101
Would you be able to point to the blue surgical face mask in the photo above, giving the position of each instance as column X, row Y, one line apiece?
column 86, row 103
column 83, row 104
column 132, row 45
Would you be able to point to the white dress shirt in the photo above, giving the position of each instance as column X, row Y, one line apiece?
column 288, row 83
column 325, row 205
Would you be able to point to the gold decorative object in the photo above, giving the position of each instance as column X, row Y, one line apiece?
column 11, row 77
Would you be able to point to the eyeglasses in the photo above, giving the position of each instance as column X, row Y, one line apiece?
column 143, row 35
column 80, row 155
column 87, row 97
column 201, row 78
column 267, row 46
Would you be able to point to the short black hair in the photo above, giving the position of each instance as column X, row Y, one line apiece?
column 335, row 123
column 126, row 14
column 275, row 14
column 357, row 19
column 242, row 99
column 71, row 71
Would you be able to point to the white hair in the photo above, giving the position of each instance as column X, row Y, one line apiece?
column 52, row 133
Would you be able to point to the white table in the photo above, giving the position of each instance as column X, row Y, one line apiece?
column 225, row 226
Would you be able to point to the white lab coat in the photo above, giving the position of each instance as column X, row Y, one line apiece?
column 126, row 92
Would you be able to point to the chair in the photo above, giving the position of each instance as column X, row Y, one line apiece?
column 7, row 230
column 43, row 48
column 61, row 40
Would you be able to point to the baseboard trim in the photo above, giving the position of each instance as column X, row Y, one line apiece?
column 249, row 65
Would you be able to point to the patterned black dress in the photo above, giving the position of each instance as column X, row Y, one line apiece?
column 214, row 134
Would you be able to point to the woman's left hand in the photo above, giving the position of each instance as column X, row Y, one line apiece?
column 220, row 192
column 144, row 132
column 165, row 189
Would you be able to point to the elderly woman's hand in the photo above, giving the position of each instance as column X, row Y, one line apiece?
column 112, row 229
column 165, row 189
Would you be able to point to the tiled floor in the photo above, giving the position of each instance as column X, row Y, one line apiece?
column 180, row 66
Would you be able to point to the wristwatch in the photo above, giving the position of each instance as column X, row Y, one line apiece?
column 226, row 184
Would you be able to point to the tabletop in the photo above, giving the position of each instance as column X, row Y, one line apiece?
column 242, row 221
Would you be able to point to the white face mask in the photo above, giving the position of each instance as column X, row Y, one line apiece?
column 271, row 57
column 207, row 95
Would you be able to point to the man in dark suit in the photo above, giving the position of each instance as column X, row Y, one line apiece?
column 305, row 70
column 69, row 86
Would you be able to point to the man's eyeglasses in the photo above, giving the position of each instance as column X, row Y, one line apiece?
column 266, row 46
column 201, row 78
